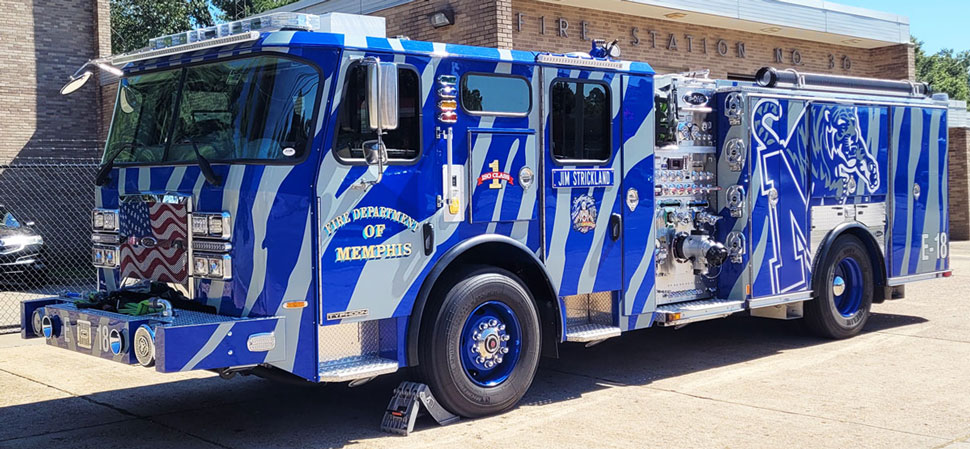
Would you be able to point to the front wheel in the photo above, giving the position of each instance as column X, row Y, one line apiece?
column 843, row 294
column 480, row 343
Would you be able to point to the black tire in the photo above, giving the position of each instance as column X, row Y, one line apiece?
column 839, row 316
column 442, row 330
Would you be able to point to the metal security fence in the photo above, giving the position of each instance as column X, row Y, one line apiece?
column 45, row 231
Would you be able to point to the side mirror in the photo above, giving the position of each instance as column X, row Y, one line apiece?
column 375, row 153
column 75, row 83
column 382, row 96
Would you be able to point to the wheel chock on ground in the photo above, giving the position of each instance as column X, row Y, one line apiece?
column 402, row 411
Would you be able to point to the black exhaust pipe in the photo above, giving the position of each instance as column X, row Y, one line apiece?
column 772, row 77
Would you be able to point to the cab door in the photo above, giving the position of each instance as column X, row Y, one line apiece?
column 371, row 236
column 582, row 204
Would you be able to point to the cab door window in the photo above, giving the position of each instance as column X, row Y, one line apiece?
column 353, row 129
column 580, row 122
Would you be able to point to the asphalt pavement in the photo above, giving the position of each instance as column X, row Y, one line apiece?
column 739, row 382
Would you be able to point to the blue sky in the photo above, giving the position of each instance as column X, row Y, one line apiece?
column 938, row 23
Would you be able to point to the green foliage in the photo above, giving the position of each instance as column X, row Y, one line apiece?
column 134, row 22
column 946, row 71
column 238, row 9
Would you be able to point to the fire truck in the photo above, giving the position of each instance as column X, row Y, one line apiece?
column 301, row 196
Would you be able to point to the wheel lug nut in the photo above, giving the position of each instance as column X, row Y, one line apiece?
column 505, row 350
column 505, row 338
column 483, row 325
column 489, row 364
column 493, row 322
column 498, row 360
column 501, row 327
column 479, row 360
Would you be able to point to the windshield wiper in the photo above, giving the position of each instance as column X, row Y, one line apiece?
column 204, row 165
column 105, row 169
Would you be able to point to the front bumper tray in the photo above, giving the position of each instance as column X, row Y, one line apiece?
column 188, row 340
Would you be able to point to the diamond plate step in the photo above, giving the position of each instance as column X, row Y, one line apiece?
column 700, row 310
column 357, row 367
column 591, row 332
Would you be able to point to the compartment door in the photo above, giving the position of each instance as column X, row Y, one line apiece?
column 639, row 241
column 498, row 162
column 778, row 239
column 919, row 212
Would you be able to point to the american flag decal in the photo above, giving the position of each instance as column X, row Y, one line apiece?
column 155, row 241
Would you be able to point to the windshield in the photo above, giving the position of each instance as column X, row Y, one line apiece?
column 251, row 109
column 9, row 221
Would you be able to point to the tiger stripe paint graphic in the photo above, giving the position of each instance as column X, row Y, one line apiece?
column 328, row 263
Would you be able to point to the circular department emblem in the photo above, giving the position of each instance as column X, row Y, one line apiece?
column 584, row 213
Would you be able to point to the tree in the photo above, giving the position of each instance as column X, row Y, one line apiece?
column 134, row 22
column 237, row 9
column 946, row 71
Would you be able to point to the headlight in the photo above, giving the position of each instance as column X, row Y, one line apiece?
column 213, row 225
column 21, row 240
column 200, row 225
column 212, row 266
column 201, row 266
column 105, row 220
column 110, row 221
column 105, row 257
column 215, row 267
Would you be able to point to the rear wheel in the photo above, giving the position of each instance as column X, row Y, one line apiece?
column 843, row 293
column 480, row 343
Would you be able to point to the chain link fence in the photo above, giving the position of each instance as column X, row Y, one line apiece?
column 45, row 232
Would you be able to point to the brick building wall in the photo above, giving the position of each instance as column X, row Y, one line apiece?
column 43, row 42
column 672, row 46
column 959, row 165
column 486, row 23
column 893, row 62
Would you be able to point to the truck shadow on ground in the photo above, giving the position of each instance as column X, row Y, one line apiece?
column 251, row 412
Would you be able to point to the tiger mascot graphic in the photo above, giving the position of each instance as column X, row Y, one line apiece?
column 844, row 161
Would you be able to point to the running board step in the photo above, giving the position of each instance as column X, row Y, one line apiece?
column 357, row 367
column 700, row 310
column 586, row 333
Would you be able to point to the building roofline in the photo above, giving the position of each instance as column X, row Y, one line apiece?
column 815, row 20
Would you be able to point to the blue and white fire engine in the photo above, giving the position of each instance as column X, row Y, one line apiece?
column 299, row 195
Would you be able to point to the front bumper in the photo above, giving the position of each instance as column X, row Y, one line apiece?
column 21, row 262
column 187, row 341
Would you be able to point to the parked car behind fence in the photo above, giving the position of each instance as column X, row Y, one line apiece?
column 45, row 229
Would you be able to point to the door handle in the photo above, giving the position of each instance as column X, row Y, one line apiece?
column 616, row 226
